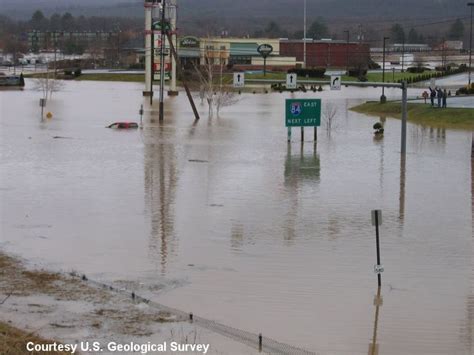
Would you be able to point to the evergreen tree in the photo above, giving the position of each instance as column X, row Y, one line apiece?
column 397, row 33
column 318, row 30
column 413, row 36
column 456, row 32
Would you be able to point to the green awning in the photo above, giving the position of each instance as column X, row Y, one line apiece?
column 243, row 49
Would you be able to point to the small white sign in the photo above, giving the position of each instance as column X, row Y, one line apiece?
column 239, row 80
column 378, row 301
column 379, row 217
column 291, row 81
column 335, row 82
column 378, row 269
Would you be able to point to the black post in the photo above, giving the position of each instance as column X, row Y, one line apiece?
column 403, row 54
column 379, row 275
column 302, row 134
column 260, row 342
column 315, row 133
column 264, row 66
column 383, row 99
column 347, row 51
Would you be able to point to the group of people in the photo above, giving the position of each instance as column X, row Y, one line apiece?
column 438, row 93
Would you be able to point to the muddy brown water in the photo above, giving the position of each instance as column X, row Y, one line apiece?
column 225, row 219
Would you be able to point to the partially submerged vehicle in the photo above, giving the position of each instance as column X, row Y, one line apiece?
column 12, row 81
column 124, row 125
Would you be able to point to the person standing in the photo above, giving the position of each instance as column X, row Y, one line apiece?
column 432, row 96
column 445, row 98
column 439, row 95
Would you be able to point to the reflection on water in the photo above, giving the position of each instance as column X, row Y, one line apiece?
column 161, row 179
column 257, row 233
column 374, row 347
column 301, row 167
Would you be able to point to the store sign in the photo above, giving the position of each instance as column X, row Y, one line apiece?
column 265, row 50
column 189, row 42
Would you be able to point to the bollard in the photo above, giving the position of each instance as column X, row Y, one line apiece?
column 260, row 342
column 191, row 317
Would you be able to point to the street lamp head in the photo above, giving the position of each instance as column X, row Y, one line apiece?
column 470, row 4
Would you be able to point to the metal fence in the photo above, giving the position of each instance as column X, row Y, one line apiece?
column 256, row 341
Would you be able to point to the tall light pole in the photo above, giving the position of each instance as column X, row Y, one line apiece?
column 304, row 36
column 383, row 98
column 162, row 59
column 470, row 4
column 347, row 51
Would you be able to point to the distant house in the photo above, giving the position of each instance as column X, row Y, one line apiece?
column 451, row 45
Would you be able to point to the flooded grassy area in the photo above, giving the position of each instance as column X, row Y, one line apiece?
column 423, row 114
column 13, row 340
column 56, row 304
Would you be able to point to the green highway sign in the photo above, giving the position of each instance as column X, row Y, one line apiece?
column 303, row 113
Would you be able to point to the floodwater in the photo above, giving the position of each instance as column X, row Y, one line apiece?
column 224, row 219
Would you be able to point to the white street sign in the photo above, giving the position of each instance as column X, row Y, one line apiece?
column 378, row 269
column 239, row 80
column 335, row 82
column 379, row 219
column 291, row 81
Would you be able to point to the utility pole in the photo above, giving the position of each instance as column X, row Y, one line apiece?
column 148, row 5
column 404, row 118
column 347, row 51
column 152, row 56
column 383, row 98
column 403, row 54
column 304, row 35
column 162, row 58
column 470, row 4
column 173, row 7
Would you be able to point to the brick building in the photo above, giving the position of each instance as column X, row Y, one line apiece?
column 328, row 53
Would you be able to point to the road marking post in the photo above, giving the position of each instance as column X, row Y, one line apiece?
column 376, row 221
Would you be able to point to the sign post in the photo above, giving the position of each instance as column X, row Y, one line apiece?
column 141, row 116
column 42, row 105
column 291, row 81
column 376, row 221
column 302, row 113
column 265, row 50
column 239, row 80
column 335, row 82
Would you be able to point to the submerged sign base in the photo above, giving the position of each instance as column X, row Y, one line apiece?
column 303, row 113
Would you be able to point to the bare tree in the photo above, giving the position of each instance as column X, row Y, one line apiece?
column 213, row 89
column 224, row 96
column 47, row 84
column 330, row 118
